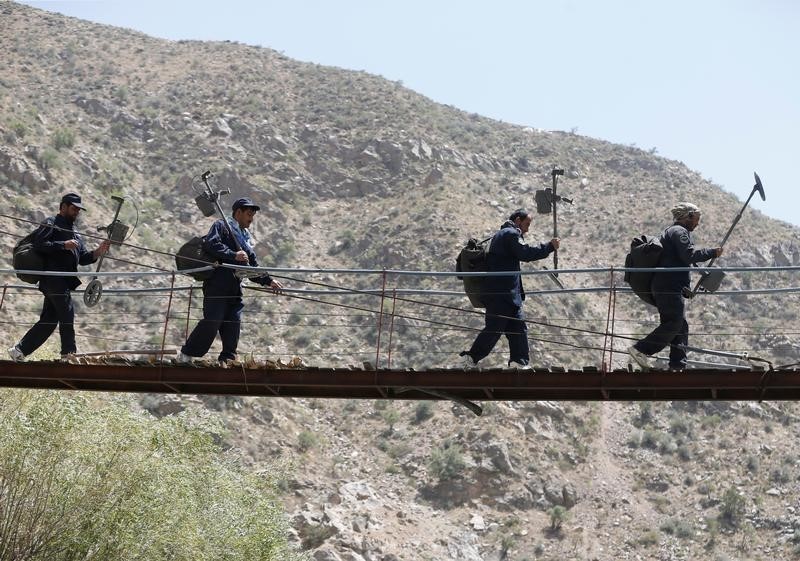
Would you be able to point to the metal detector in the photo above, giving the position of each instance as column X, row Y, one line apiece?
column 546, row 200
column 208, row 202
column 115, row 232
column 710, row 280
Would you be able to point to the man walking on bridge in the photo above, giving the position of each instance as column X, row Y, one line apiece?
column 503, row 295
column 63, row 250
column 222, row 293
column 669, row 289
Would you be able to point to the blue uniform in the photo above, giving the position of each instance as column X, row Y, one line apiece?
column 503, row 295
column 678, row 251
column 57, row 309
column 222, row 293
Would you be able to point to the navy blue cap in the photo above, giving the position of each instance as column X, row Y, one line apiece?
column 73, row 199
column 244, row 203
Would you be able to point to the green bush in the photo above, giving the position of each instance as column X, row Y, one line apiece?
column 447, row 462
column 48, row 159
column 20, row 129
column 63, row 138
column 648, row 538
column 423, row 411
column 732, row 509
column 307, row 440
column 680, row 425
column 399, row 450
column 710, row 421
column 660, row 441
column 80, row 481
column 390, row 417
column 121, row 95
column 646, row 414
column 677, row 527
column 558, row 515
column 780, row 474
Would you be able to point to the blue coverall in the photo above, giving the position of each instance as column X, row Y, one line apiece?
column 222, row 293
column 57, row 309
column 503, row 295
column 678, row 251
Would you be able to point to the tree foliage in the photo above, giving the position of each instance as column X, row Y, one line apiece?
column 85, row 481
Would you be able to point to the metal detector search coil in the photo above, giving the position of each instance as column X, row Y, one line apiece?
column 115, row 232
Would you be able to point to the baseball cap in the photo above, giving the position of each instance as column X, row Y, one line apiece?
column 244, row 203
column 73, row 199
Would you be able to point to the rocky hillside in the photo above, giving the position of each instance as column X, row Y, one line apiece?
column 355, row 171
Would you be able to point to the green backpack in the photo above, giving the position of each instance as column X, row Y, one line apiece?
column 26, row 258
column 471, row 259
column 645, row 253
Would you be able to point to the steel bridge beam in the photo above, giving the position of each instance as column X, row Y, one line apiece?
column 552, row 384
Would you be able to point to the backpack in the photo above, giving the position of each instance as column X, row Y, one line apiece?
column 27, row 258
column 645, row 252
column 472, row 258
column 191, row 255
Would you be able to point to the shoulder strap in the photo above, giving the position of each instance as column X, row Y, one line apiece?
column 48, row 223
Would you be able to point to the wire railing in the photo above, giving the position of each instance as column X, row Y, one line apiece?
column 409, row 326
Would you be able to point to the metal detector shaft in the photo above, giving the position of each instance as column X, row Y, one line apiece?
column 556, row 173
column 94, row 290
column 758, row 187
column 554, row 275
column 215, row 199
column 110, row 230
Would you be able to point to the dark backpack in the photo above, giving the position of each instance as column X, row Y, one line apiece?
column 645, row 252
column 472, row 258
column 191, row 255
column 27, row 258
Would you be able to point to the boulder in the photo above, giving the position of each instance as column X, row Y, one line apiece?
column 561, row 495
column 261, row 415
column 278, row 144
column 99, row 107
column 451, row 155
column 546, row 408
column 325, row 554
column 167, row 405
column 464, row 548
column 497, row 453
column 18, row 169
column 434, row 177
column 554, row 494
column 357, row 491
column 420, row 150
column 367, row 156
column 570, row 495
column 391, row 154
column 220, row 127
column 779, row 257
column 477, row 522
column 524, row 500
